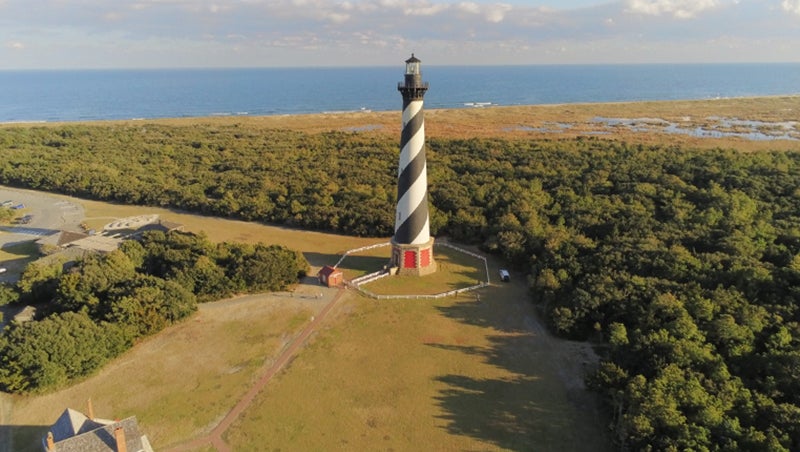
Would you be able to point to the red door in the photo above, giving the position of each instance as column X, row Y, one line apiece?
column 409, row 259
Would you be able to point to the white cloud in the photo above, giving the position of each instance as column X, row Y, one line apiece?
column 681, row 9
column 424, row 10
column 497, row 13
column 792, row 6
column 469, row 7
column 338, row 18
column 493, row 13
column 86, row 33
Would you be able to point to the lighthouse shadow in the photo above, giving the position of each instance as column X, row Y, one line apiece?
column 321, row 259
column 518, row 395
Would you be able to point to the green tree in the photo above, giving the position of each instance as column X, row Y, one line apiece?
column 44, row 354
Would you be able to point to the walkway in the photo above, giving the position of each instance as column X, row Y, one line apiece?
column 214, row 438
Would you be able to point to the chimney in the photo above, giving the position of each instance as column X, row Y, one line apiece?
column 91, row 409
column 51, row 443
column 119, row 435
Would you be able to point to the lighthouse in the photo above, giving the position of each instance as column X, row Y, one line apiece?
column 412, row 245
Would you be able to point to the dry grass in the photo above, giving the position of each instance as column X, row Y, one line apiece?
column 319, row 248
column 179, row 382
column 455, row 270
column 18, row 255
column 450, row 374
column 453, row 374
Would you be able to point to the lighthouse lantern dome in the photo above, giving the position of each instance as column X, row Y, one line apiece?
column 412, row 66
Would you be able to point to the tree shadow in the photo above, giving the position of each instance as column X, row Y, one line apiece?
column 509, row 418
column 541, row 402
column 22, row 438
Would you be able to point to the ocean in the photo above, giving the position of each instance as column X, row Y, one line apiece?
column 80, row 95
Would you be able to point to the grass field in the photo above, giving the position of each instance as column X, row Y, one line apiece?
column 20, row 254
column 179, row 382
column 450, row 374
column 455, row 374
column 455, row 270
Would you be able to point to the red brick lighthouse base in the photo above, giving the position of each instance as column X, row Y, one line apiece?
column 413, row 260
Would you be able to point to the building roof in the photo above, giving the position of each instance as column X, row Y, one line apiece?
column 162, row 225
column 75, row 432
column 61, row 238
column 71, row 423
column 101, row 243
column 328, row 270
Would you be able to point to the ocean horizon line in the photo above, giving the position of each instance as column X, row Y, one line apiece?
column 486, row 105
column 384, row 66
column 122, row 94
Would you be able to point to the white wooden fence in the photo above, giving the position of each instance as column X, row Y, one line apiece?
column 357, row 282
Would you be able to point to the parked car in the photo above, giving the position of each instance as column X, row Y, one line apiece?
column 504, row 275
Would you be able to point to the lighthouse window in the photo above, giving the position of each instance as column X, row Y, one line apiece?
column 412, row 68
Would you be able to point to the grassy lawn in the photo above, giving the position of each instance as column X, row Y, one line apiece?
column 319, row 248
column 455, row 271
column 15, row 257
column 22, row 250
column 450, row 374
column 179, row 382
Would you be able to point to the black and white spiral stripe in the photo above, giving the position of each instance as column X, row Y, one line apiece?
column 412, row 226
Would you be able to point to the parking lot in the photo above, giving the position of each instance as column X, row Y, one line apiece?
column 41, row 215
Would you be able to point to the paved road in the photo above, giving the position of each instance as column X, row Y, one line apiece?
column 49, row 214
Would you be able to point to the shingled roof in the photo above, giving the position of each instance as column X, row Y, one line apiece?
column 75, row 432
column 61, row 238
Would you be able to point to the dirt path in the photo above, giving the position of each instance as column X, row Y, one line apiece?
column 215, row 437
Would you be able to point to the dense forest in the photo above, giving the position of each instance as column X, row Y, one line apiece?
column 94, row 310
column 682, row 265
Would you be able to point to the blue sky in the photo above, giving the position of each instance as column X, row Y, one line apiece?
column 267, row 33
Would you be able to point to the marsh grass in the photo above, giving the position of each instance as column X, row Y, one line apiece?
column 522, row 122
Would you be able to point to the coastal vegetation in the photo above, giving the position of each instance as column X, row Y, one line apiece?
column 680, row 264
column 98, row 308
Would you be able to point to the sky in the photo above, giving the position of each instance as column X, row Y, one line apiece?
column 66, row 34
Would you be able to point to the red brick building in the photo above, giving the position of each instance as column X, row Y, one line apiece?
column 330, row 276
